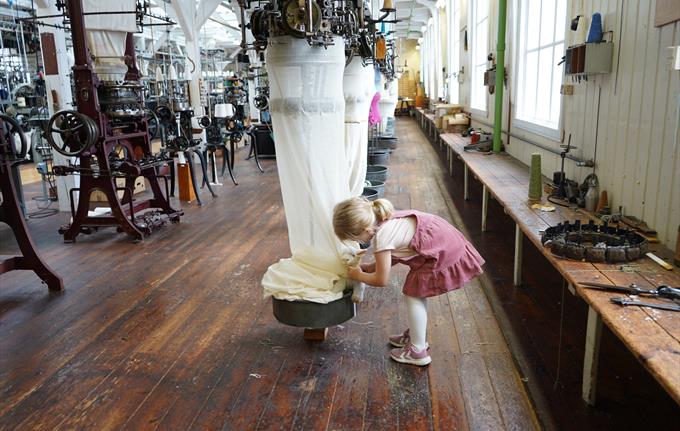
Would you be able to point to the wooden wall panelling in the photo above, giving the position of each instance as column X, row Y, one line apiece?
column 636, row 153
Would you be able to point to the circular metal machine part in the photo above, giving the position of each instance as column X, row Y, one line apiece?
column 306, row 314
column 261, row 102
column 594, row 243
column 10, row 128
column 152, row 123
column 77, row 131
column 295, row 19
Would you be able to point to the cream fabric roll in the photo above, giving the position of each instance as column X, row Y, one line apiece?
column 307, row 108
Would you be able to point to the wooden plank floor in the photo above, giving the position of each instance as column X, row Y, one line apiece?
column 173, row 333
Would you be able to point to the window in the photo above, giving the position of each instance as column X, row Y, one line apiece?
column 479, row 23
column 453, row 48
column 540, row 47
column 438, row 49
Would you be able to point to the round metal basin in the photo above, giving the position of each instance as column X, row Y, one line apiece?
column 376, row 173
column 378, row 186
column 387, row 143
column 370, row 194
column 378, row 157
column 306, row 314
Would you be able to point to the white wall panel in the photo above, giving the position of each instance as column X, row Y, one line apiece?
column 637, row 150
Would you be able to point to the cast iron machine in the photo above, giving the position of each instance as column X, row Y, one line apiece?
column 11, row 213
column 109, row 135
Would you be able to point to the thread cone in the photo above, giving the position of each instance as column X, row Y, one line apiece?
column 535, row 183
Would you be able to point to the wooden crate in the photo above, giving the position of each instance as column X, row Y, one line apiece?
column 140, row 186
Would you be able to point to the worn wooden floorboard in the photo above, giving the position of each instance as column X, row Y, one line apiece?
column 173, row 333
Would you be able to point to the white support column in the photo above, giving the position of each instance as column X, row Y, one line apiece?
column 61, row 85
column 517, row 272
column 485, row 206
column 592, row 355
column 465, row 181
column 191, row 19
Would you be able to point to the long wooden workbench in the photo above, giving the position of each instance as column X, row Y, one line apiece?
column 652, row 335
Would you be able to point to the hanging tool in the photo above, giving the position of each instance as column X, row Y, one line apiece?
column 626, row 302
column 662, row 291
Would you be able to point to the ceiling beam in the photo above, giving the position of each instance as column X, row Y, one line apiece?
column 204, row 11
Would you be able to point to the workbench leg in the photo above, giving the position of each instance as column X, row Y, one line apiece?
column 590, row 361
column 449, row 150
column 465, row 181
column 485, row 206
column 517, row 273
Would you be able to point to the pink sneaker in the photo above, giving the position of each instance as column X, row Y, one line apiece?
column 410, row 355
column 400, row 340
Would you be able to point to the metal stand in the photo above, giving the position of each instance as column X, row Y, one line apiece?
column 13, row 216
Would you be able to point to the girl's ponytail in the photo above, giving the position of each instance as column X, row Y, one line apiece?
column 383, row 209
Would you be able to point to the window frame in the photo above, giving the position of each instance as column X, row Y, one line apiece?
column 473, row 24
column 453, row 9
column 521, row 36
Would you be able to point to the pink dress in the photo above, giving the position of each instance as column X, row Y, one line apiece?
column 374, row 113
column 446, row 260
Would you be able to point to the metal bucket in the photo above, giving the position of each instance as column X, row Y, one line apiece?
column 386, row 142
column 307, row 314
column 378, row 186
column 370, row 194
column 376, row 173
column 378, row 157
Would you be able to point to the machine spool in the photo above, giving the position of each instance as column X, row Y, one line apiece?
column 307, row 314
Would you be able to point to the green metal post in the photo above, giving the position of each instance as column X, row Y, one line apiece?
column 500, row 75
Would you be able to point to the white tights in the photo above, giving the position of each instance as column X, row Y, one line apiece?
column 416, row 309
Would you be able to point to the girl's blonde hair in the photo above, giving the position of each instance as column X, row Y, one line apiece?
column 353, row 215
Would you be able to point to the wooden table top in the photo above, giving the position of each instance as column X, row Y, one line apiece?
column 653, row 335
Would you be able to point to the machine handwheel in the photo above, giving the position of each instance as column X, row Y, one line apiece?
column 10, row 127
column 78, row 132
column 152, row 123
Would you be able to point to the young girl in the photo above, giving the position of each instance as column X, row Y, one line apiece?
column 440, row 258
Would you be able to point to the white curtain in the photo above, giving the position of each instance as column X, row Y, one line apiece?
column 389, row 97
column 308, row 115
column 359, row 89
column 106, row 35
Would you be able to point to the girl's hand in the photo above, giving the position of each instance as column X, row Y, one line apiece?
column 354, row 272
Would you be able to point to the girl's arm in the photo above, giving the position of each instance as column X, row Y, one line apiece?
column 381, row 273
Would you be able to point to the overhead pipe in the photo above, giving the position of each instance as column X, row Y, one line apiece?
column 500, row 77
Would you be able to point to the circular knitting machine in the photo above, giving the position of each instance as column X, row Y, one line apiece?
column 594, row 243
